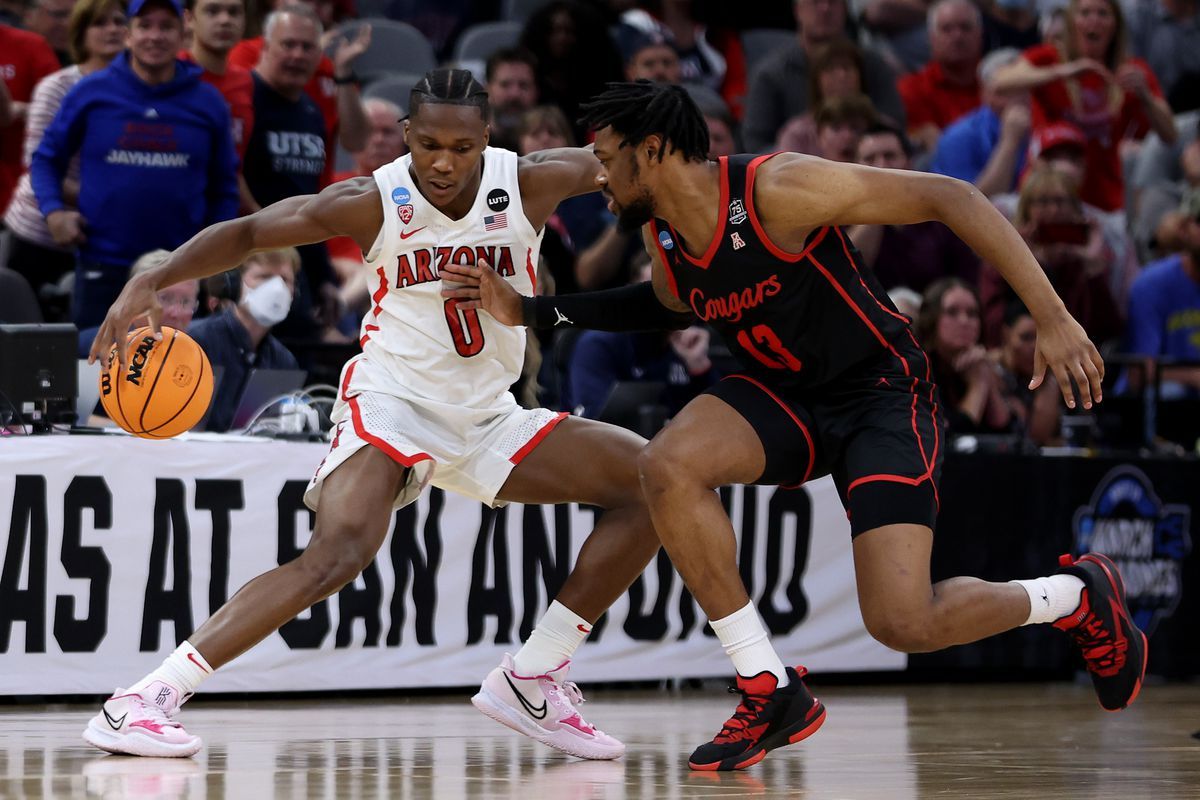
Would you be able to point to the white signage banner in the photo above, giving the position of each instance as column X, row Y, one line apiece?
column 115, row 549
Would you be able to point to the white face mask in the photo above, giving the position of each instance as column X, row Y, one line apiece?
column 269, row 302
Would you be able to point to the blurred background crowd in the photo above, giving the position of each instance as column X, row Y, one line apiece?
column 125, row 129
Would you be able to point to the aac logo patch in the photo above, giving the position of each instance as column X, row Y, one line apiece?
column 400, row 195
column 1146, row 538
column 664, row 238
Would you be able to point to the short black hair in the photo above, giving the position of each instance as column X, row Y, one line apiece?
column 509, row 55
column 1014, row 310
column 640, row 109
column 449, row 87
column 884, row 128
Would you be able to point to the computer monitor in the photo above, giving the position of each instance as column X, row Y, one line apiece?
column 38, row 374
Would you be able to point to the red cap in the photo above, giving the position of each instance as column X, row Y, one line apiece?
column 1060, row 133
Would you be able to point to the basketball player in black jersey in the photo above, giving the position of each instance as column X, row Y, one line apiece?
column 833, row 381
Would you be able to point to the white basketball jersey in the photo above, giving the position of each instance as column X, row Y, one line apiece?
column 433, row 349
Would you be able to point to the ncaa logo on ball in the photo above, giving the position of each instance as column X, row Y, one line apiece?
column 665, row 240
column 182, row 376
column 400, row 195
column 406, row 213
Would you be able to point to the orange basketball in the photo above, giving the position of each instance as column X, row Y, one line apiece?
column 165, row 388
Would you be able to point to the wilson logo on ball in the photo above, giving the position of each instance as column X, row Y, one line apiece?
column 182, row 375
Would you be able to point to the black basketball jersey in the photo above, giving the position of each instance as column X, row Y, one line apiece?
column 794, row 320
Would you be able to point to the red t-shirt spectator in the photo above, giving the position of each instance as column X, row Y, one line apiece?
column 237, row 87
column 320, row 88
column 25, row 59
column 929, row 98
column 1103, row 183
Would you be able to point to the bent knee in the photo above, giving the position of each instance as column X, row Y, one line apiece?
column 662, row 466
column 907, row 633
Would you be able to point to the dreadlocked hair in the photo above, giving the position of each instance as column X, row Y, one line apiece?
column 640, row 109
column 449, row 86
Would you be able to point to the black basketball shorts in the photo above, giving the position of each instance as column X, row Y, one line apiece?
column 878, row 429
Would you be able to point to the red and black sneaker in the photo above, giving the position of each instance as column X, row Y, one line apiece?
column 1113, row 647
column 766, row 718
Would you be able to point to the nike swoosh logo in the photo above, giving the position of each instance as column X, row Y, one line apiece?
column 583, row 629
column 406, row 234
column 530, row 708
column 192, row 658
column 1044, row 597
column 114, row 724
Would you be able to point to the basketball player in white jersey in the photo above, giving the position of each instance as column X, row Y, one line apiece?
column 427, row 401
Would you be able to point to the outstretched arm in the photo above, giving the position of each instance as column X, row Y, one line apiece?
column 640, row 307
column 795, row 194
column 349, row 208
column 1022, row 75
column 548, row 177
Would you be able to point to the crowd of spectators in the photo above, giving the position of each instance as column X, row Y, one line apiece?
column 125, row 129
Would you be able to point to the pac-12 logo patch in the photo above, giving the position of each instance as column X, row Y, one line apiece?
column 400, row 195
column 497, row 199
column 664, row 238
column 1146, row 538
column 737, row 213
column 406, row 213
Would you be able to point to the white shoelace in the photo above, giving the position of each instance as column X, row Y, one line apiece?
column 573, row 693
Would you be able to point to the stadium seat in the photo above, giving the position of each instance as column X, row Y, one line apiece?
column 395, row 87
column 395, row 47
column 480, row 41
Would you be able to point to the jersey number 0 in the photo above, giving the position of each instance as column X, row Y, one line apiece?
column 465, row 328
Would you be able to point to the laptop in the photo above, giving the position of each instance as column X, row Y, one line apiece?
column 262, row 387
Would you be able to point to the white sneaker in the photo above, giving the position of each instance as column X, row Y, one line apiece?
column 543, row 708
column 142, row 725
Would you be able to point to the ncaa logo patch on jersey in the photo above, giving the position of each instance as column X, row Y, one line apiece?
column 736, row 238
column 665, row 240
column 400, row 195
column 405, row 212
column 737, row 213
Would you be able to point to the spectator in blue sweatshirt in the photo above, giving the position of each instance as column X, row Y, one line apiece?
column 156, row 159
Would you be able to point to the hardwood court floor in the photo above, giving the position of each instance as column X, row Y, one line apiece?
column 893, row 743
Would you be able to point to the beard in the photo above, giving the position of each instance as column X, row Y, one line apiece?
column 638, row 212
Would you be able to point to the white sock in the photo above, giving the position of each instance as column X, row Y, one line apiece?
column 1051, row 598
column 185, row 669
column 555, row 639
column 745, row 640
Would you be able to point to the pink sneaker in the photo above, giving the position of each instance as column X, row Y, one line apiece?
column 543, row 707
column 141, row 725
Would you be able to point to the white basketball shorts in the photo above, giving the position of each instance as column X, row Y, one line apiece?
column 469, row 451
